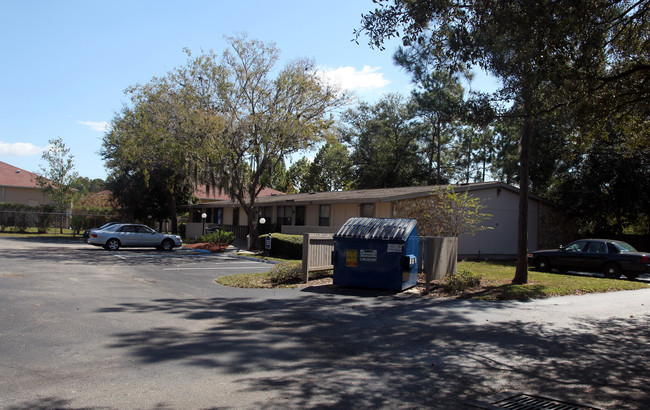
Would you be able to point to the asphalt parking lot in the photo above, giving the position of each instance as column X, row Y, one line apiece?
column 85, row 328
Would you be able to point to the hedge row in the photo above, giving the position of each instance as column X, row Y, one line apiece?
column 283, row 246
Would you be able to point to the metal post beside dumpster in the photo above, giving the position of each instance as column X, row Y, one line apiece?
column 442, row 255
column 376, row 253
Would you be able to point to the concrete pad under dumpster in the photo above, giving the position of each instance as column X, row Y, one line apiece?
column 376, row 253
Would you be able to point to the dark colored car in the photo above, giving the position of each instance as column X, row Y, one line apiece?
column 612, row 258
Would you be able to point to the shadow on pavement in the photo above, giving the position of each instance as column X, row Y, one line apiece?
column 344, row 352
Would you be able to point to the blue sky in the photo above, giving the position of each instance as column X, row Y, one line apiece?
column 66, row 63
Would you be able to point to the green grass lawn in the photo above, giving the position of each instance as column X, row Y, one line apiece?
column 496, row 278
column 496, row 284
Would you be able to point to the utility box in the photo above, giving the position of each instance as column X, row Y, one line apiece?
column 376, row 253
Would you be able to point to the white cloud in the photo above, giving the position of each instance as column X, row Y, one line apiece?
column 19, row 149
column 95, row 125
column 349, row 78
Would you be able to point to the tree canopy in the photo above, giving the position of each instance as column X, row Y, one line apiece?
column 227, row 122
column 267, row 116
column 587, row 57
column 156, row 146
column 445, row 212
column 57, row 176
column 385, row 138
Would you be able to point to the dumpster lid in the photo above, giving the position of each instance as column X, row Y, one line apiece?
column 376, row 228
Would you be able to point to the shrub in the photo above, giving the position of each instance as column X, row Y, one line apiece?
column 456, row 283
column 283, row 246
column 21, row 222
column 45, row 218
column 286, row 273
column 218, row 236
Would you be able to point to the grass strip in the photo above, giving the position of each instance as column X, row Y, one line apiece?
column 495, row 283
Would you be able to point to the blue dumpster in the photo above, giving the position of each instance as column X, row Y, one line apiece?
column 376, row 253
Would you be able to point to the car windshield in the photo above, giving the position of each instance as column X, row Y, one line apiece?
column 623, row 246
column 107, row 225
column 112, row 228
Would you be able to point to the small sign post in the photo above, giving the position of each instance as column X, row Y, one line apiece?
column 267, row 245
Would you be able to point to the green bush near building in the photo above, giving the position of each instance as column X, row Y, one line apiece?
column 283, row 246
column 218, row 236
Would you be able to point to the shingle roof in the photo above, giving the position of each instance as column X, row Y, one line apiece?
column 213, row 194
column 11, row 176
column 360, row 196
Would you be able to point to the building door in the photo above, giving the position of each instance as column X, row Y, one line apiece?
column 300, row 216
column 235, row 217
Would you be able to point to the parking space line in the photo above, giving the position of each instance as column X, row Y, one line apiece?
column 214, row 268
column 164, row 256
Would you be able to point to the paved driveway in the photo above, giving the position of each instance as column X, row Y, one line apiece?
column 81, row 327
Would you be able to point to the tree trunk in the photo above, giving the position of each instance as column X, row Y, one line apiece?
column 521, row 273
column 249, row 210
column 469, row 160
column 171, row 202
column 438, row 160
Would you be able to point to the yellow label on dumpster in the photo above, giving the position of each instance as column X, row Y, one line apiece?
column 351, row 258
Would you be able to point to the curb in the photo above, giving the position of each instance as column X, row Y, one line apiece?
column 248, row 258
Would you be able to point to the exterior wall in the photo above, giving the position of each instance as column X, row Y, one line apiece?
column 384, row 210
column 311, row 215
column 25, row 196
column 500, row 240
column 227, row 216
column 193, row 230
column 340, row 213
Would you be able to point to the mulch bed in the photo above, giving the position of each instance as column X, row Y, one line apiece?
column 207, row 246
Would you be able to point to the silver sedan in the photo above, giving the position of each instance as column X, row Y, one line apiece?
column 132, row 235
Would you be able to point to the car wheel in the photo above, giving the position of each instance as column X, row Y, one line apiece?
column 167, row 245
column 612, row 271
column 112, row 244
column 543, row 265
column 631, row 276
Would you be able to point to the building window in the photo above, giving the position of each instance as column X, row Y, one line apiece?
column 219, row 216
column 284, row 215
column 367, row 210
column 265, row 212
column 300, row 216
column 324, row 215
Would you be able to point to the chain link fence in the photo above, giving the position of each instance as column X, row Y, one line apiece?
column 22, row 220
